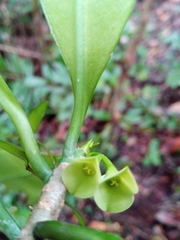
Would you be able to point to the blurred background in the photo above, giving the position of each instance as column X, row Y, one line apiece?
column 134, row 114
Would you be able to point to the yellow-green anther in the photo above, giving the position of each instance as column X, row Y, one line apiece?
column 114, row 182
column 89, row 169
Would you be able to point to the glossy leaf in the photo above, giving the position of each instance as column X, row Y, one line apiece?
column 86, row 32
column 36, row 115
column 77, row 214
column 56, row 230
column 14, row 175
column 116, row 191
column 12, row 107
column 8, row 224
column 14, row 150
column 81, row 176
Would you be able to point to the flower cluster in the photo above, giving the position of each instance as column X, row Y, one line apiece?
column 113, row 192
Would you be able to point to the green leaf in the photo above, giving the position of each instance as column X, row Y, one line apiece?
column 153, row 156
column 86, row 32
column 36, row 115
column 50, row 159
column 173, row 78
column 14, row 150
column 8, row 224
column 56, row 230
column 77, row 214
column 12, row 107
column 14, row 175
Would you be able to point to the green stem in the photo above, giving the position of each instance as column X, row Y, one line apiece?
column 73, row 133
column 8, row 225
column 80, row 98
column 108, row 164
column 48, row 152
column 17, row 115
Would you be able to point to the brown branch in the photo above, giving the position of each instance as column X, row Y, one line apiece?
column 20, row 51
column 130, row 58
column 50, row 203
column 147, row 7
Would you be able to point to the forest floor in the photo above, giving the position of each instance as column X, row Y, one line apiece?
column 155, row 213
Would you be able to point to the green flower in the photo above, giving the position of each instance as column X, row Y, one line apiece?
column 81, row 176
column 116, row 191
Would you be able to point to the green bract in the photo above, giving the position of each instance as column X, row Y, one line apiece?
column 116, row 191
column 84, row 150
column 81, row 176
